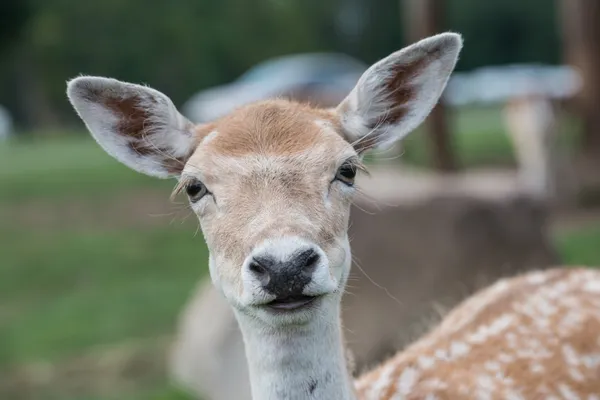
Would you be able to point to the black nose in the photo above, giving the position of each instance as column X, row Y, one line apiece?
column 284, row 279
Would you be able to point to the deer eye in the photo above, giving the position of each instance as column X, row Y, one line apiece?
column 195, row 190
column 346, row 173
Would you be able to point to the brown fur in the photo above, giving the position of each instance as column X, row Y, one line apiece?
column 524, row 358
column 269, row 166
column 133, row 118
column 135, row 123
column 400, row 91
column 272, row 127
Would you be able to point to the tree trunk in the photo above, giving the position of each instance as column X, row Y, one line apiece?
column 425, row 18
column 36, row 111
column 580, row 23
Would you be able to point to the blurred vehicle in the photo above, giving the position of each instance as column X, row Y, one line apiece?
column 6, row 124
column 323, row 79
column 497, row 84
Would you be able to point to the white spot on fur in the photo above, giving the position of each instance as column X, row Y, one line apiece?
column 537, row 278
column 485, row 387
column 537, row 368
column 383, row 382
column 570, row 355
column 209, row 137
column 591, row 361
column 567, row 392
column 505, row 358
column 592, row 286
column 498, row 326
column 407, row 380
column 576, row 375
column 492, row 366
column 485, row 382
column 426, row 362
column 441, row 354
column 459, row 349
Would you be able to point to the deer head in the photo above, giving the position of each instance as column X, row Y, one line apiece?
column 273, row 181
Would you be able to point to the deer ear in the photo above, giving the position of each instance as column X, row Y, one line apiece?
column 137, row 125
column 396, row 94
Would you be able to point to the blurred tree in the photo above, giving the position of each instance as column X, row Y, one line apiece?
column 426, row 18
column 581, row 35
column 368, row 29
column 505, row 31
column 182, row 46
column 13, row 17
column 176, row 46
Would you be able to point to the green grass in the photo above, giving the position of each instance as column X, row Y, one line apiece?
column 581, row 247
column 63, row 166
column 479, row 139
column 68, row 290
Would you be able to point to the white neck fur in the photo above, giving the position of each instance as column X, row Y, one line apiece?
column 298, row 362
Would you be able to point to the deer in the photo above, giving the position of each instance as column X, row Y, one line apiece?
column 272, row 184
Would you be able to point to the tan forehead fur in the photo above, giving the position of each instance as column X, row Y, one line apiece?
column 272, row 127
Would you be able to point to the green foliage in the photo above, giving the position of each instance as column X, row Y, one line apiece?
column 505, row 31
column 182, row 46
column 580, row 247
column 13, row 16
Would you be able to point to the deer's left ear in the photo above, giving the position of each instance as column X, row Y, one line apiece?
column 397, row 93
column 135, row 124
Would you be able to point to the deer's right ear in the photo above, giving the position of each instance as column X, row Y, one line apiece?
column 137, row 125
column 397, row 93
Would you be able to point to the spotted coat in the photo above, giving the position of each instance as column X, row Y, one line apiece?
column 536, row 336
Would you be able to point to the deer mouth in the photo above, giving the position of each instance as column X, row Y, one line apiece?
column 291, row 303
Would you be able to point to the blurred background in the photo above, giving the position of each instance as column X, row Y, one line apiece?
column 96, row 264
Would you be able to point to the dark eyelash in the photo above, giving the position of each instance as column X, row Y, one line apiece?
column 181, row 185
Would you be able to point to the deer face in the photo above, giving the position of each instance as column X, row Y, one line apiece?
column 275, row 181
column 272, row 182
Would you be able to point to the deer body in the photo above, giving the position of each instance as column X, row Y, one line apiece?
column 272, row 184
column 535, row 336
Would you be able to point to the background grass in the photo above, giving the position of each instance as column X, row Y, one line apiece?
column 91, row 285
column 57, row 167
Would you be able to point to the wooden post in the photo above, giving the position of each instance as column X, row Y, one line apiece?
column 424, row 18
column 580, row 23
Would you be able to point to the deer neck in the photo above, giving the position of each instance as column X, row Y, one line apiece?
column 298, row 362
